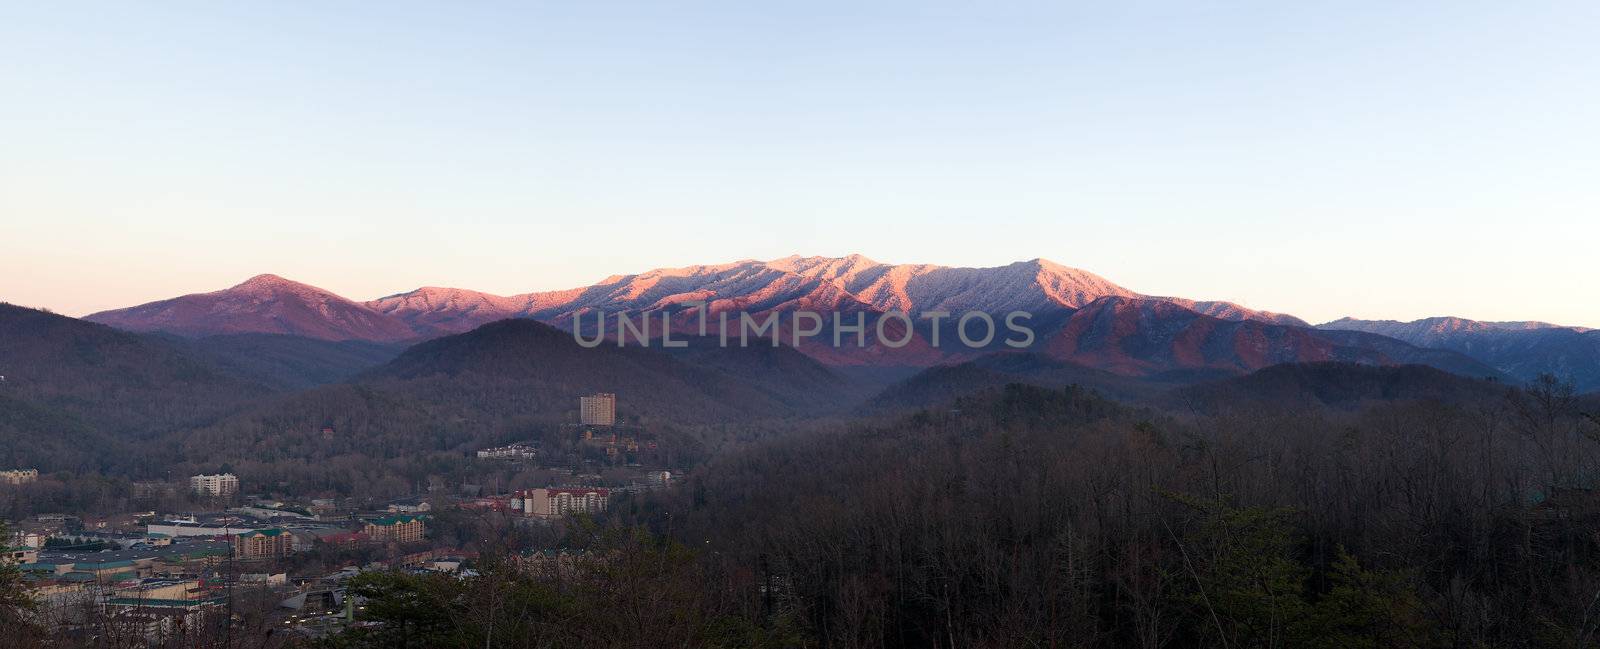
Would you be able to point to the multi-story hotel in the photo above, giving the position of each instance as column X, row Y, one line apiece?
column 598, row 409
column 399, row 529
column 263, row 544
column 223, row 484
column 555, row 503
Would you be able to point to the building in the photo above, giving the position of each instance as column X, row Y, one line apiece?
column 263, row 544
column 191, row 527
column 27, row 538
column 510, row 452
column 18, row 555
column 270, row 513
column 165, row 611
column 400, row 528
column 409, row 506
column 559, row 502
column 19, row 476
column 598, row 409
column 222, row 484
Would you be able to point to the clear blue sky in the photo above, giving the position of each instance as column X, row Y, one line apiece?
column 1377, row 159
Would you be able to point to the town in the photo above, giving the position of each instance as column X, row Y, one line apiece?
column 242, row 555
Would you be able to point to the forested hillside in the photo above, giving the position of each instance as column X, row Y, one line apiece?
column 1052, row 517
column 89, row 387
column 286, row 362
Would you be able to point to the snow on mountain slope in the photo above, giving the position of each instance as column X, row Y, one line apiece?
column 823, row 284
column 262, row 304
column 446, row 310
column 1078, row 316
column 1231, row 311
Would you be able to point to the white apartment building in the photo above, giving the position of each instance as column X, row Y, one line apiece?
column 222, row 484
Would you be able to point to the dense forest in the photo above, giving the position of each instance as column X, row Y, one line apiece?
column 1030, row 516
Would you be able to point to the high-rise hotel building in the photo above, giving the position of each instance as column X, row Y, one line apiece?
column 598, row 409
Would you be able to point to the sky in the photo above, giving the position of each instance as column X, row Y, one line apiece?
column 1367, row 159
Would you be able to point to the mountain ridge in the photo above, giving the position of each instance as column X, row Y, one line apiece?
column 1521, row 349
column 1136, row 334
column 271, row 304
column 266, row 304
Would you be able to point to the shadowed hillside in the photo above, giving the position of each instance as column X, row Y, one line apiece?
column 1336, row 385
column 117, row 382
column 286, row 362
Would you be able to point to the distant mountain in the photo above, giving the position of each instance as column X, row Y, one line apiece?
column 1231, row 311
column 1343, row 386
column 262, row 304
column 1432, row 332
column 88, row 385
column 1135, row 336
column 1522, row 350
column 437, row 311
column 1079, row 317
column 847, row 284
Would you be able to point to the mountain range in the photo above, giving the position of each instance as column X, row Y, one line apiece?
column 1521, row 350
column 1079, row 317
column 272, row 304
column 258, row 369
